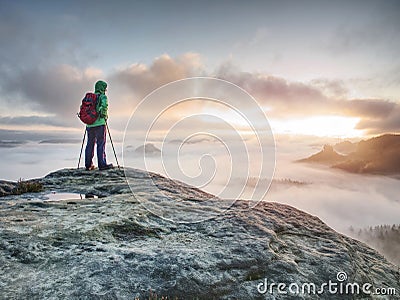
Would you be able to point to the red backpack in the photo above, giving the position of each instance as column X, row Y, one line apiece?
column 88, row 113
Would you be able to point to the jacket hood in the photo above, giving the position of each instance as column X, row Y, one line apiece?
column 100, row 87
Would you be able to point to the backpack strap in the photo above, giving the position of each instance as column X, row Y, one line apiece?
column 98, row 102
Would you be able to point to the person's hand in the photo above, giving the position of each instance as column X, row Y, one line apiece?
column 103, row 114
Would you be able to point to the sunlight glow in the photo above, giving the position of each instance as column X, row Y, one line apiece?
column 322, row 126
column 229, row 116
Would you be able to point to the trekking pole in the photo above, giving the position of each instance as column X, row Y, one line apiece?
column 112, row 144
column 83, row 141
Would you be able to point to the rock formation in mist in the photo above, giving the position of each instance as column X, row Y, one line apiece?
column 148, row 149
column 326, row 156
column 111, row 247
column 378, row 155
column 345, row 147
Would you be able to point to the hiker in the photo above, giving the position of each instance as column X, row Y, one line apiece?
column 96, row 131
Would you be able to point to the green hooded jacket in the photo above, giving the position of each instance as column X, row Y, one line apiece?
column 102, row 104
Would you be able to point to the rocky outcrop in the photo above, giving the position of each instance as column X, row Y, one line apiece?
column 326, row 156
column 112, row 247
column 345, row 147
column 148, row 149
column 379, row 155
column 7, row 187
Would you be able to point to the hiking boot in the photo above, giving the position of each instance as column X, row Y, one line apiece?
column 106, row 167
column 92, row 167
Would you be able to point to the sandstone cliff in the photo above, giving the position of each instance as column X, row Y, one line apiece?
column 111, row 247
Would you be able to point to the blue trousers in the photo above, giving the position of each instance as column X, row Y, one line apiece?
column 96, row 135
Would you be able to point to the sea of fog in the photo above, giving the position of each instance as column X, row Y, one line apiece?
column 340, row 199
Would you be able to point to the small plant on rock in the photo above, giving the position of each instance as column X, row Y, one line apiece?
column 27, row 187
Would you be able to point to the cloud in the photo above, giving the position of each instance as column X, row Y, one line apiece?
column 391, row 123
column 30, row 120
column 24, row 136
column 379, row 34
column 56, row 91
column 41, row 56
column 339, row 198
column 140, row 79
column 367, row 108
column 277, row 93
column 11, row 144
column 334, row 88
column 343, row 200
column 32, row 36
column 286, row 99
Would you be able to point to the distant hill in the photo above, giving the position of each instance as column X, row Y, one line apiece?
column 345, row 147
column 148, row 149
column 326, row 156
column 378, row 155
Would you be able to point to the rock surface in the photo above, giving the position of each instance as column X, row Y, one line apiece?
column 7, row 187
column 111, row 247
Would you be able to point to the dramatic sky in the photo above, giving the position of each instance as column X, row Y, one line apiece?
column 316, row 67
column 319, row 70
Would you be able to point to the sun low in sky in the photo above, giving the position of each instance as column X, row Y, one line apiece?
column 320, row 126
column 317, row 68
